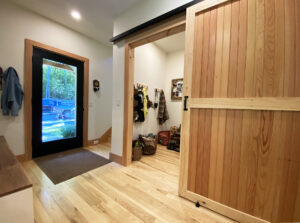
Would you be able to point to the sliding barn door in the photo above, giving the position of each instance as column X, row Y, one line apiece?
column 241, row 128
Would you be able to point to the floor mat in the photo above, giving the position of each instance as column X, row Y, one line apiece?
column 63, row 166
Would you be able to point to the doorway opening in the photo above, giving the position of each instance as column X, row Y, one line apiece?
column 158, row 92
column 57, row 102
column 168, row 28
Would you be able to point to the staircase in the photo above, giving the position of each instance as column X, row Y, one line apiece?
column 108, row 138
column 104, row 139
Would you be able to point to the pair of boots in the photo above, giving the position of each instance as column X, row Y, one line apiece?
column 173, row 146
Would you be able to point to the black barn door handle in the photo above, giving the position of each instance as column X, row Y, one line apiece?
column 185, row 102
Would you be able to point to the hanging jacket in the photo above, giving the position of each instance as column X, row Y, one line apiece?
column 12, row 95
column 145, row 109
column 135, row 103
column 138, row 115
column 149, row 103
column 163, row 114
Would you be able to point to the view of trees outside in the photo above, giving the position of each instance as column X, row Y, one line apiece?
column 58, row 83
column 59, row 101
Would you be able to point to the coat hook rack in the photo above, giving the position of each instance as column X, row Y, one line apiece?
column 158, row 90
column 141, row 85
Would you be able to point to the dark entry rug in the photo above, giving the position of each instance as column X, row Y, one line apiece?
column 63, row 166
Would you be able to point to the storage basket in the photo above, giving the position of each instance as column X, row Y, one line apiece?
column 149, row 145
column 137, row 152
column 164, row 137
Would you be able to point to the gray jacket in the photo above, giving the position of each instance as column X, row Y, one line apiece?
column 12, row 94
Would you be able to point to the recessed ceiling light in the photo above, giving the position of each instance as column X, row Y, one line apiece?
column 75, row 14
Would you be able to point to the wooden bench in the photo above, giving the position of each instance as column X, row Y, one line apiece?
column 16, row 199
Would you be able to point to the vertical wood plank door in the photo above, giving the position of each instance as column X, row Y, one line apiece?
column 241, row 131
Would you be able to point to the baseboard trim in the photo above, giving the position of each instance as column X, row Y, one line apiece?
column 22, row 157
column 115, row 158
column 91, row 142
column 101, row 139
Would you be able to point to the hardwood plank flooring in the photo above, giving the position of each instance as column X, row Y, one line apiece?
column 145, row 191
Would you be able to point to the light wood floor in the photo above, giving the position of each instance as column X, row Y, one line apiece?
column 146, row 191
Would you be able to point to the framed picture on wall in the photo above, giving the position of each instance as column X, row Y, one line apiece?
column 176, row 89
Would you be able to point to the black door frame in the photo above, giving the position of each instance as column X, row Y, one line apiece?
column 29, row 44
column 40, row 148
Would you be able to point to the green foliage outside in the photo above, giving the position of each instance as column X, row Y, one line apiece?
column 68, row 131
column 60, row 84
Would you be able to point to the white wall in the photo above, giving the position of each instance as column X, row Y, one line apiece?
column 174, row 70
column 141, row 13
column 156, row 68
column 16, row 24
column 149, row 69
column 118, row 99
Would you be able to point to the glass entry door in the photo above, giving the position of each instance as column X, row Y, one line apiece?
column 57, row 102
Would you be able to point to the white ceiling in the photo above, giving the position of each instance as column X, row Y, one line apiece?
column 172, row 43
column 97, row 15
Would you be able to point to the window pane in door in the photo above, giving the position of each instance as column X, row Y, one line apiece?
column 58, row 101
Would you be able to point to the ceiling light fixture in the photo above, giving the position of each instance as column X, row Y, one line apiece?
column 75, row 14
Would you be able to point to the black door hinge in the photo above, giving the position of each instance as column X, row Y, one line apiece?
column 185, row 102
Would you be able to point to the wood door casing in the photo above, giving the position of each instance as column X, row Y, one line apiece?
column 29, row 45
column 171, row 26
column 245, row 158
